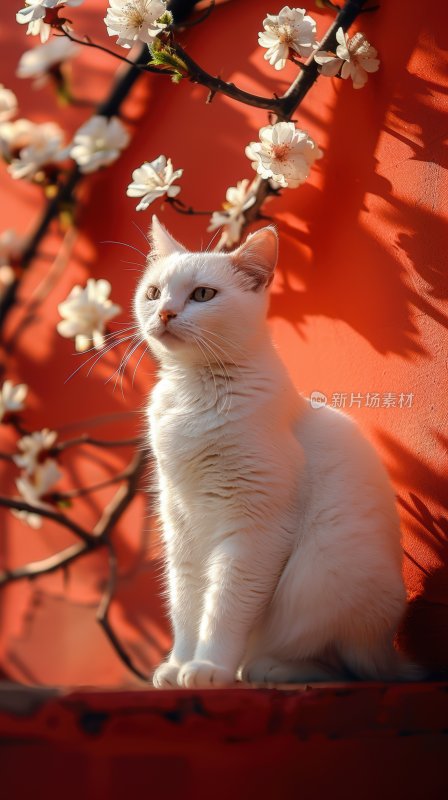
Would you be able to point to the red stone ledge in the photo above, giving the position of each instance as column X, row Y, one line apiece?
column 363, row 741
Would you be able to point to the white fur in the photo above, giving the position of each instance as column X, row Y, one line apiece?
column 282, row 541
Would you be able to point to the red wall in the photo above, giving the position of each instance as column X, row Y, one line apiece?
column 357, row 304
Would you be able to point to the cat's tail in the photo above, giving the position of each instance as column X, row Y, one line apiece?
column 380, row 664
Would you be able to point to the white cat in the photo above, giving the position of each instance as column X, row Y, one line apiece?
column 283, row 556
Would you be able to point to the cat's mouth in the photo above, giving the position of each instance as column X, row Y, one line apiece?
column 168, row 337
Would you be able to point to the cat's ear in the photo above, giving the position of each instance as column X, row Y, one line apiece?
column 257, row 257
column 163, row 244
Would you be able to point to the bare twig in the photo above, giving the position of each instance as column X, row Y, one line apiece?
column 182, row 208
column 103, row 617
column 192, row 23
column 55, row 516
column 85, row 439
column 123, row 496
column 50, row 564
column 44, row 287
column 91, row 541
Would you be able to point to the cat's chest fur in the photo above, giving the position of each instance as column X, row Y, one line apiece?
column 219, row 446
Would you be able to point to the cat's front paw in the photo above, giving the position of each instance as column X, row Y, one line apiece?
column 203, row 675
column 165, row 676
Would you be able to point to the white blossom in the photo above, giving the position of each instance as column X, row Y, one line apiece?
column 8, row 104
column 37, row 62
column 133, row 20
column 34, row 14
column 354, row 58
column 85, row 313
column 34, row 488
column 238, row 199
column 14, row 136
column 152, row 180
column 11, row 246
column 7, row 277
column 34, row 449
column 12, row 397
column 44, row 147
column 99, row 142
column 291, row 29
column 284, row 154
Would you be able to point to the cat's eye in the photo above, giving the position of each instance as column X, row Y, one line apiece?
column 202, row 294
column 152, row 293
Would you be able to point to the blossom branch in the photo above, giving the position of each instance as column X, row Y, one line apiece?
column 87, row 42
column 307, row 77
column 196, row 74
column 65, row 193
column 292, row 98
column 98, row 539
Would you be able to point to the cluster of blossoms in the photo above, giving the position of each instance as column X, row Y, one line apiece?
column 85, row 314
column 292, row 32
column 238, row 200
column 39, row 471
column 33, row 149
column 283, row 155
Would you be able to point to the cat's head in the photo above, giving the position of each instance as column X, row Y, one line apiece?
column 191, row 305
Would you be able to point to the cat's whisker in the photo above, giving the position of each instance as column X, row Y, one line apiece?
column 204, row 353
column 117, row 372
column 225, row 340
column 226, row 356
column 107, row 350
column 125, row 244
column 145, row 236
column 212, row 345
column 138, row 362
column 126, row 362
column 227, row 380
column 107, row 337
column 102, row 353
column 207, row 249
column 135, row 263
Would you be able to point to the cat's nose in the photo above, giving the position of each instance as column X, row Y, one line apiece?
column 166, row 315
